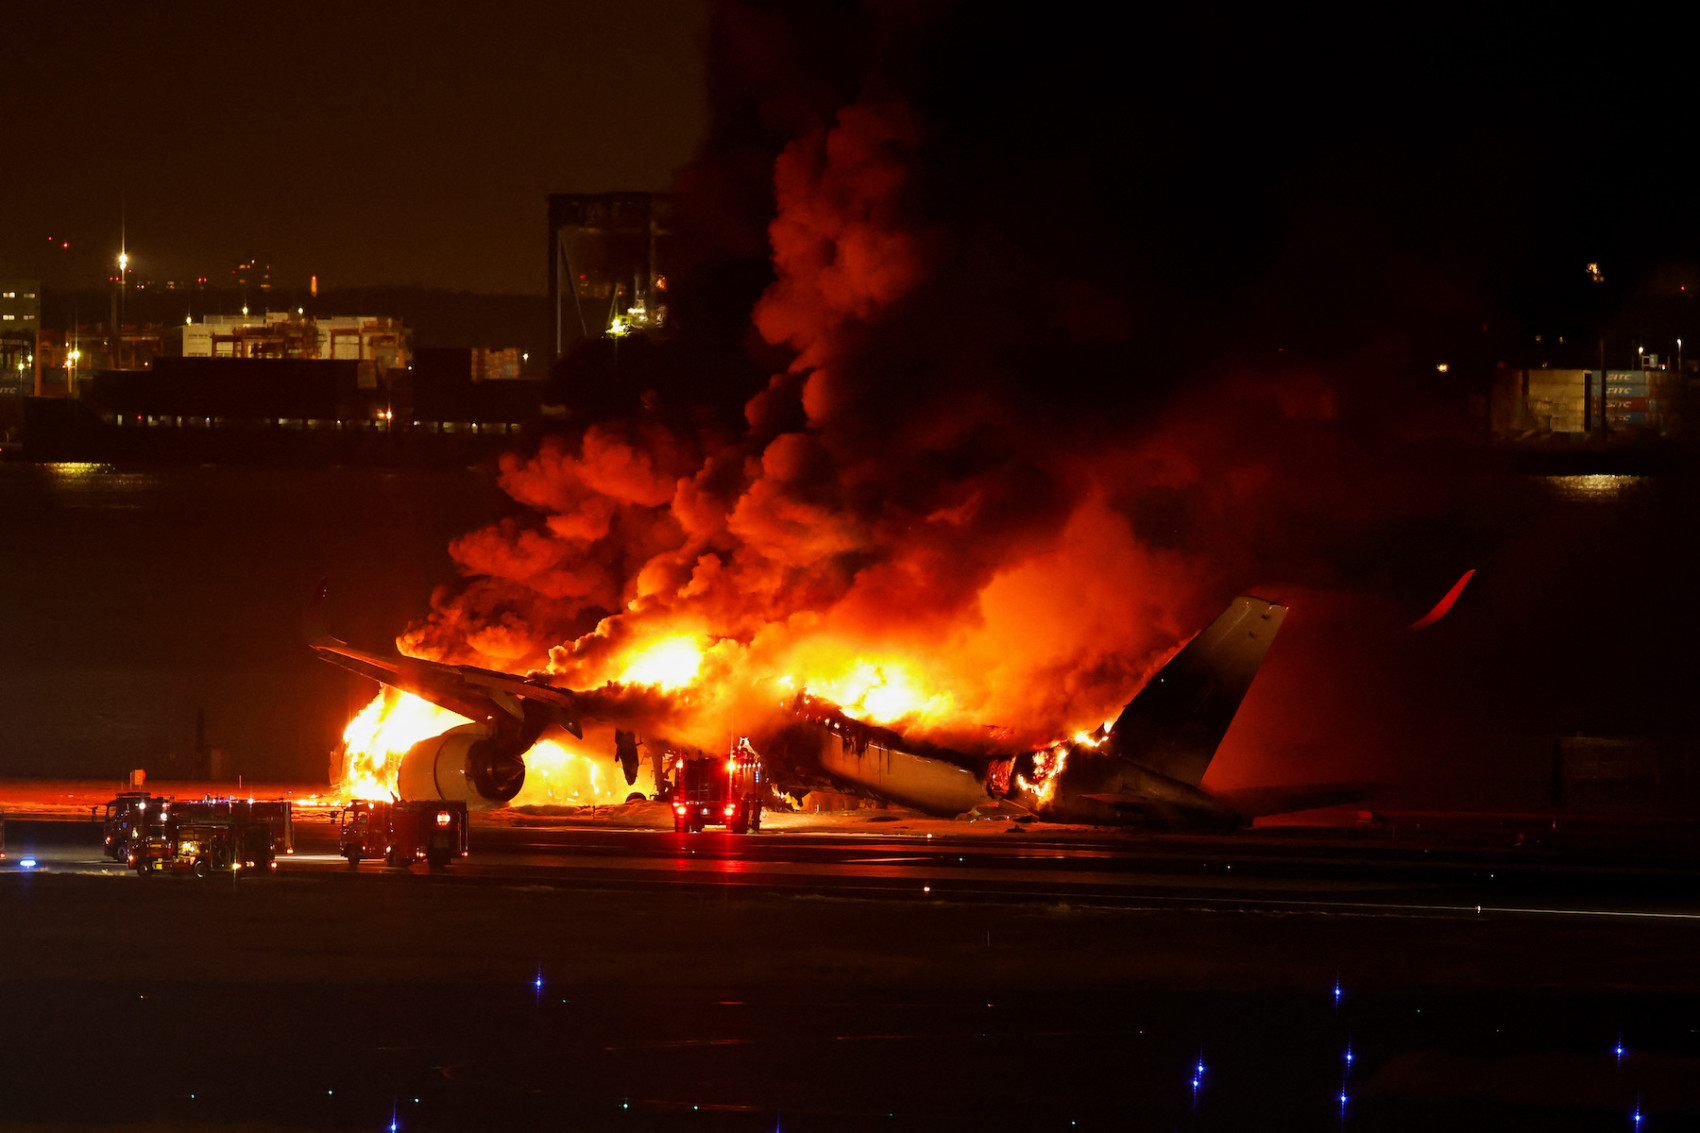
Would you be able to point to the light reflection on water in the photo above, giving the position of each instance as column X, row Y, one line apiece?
column 89, row 484
column 1594, row 488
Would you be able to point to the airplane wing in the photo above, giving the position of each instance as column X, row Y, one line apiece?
column 483, row 695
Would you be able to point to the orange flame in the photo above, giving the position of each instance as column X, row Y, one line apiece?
column 381, row 733
column 1047, row 766
column 880, row 692
column 555, row 775
column 377, row 738
column 669, row 662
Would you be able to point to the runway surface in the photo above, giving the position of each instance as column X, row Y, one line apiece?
column 822, row 981
column 1315, row 872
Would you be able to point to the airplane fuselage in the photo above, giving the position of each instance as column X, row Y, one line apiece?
column 1092, row 787
column 1103, row 788
column 934, row 786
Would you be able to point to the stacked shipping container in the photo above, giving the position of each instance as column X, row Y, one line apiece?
column 1640, row 400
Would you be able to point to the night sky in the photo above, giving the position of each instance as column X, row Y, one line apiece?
column 1268, row 175
column 365, row 143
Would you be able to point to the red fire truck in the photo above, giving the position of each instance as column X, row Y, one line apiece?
column 403, row 833
column 134, row 812
column 124, row 815
column 718, row 792
column 168, row 845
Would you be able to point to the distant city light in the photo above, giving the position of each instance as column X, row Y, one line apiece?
column 1443, row 367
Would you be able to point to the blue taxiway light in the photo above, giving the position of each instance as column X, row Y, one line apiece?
column 26, row 863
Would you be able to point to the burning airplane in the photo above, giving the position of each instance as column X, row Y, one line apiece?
column 1143, row 767
column 931, row 515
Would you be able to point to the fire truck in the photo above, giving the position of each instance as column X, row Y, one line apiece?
column 403, row 833
column 135, row 811
column 718, row 792
column 123, row 814
column 201, row 846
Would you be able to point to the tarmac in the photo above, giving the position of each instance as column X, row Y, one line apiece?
column 865, row 977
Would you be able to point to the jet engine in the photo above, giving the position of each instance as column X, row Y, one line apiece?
column 465, row 764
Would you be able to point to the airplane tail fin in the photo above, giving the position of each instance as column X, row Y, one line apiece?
column 1175, row 723
column 313, row 620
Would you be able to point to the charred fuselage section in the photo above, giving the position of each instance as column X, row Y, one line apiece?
column 1144, row 769
column 818, row 746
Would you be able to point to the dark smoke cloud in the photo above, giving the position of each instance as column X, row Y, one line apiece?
column 1013, row 352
